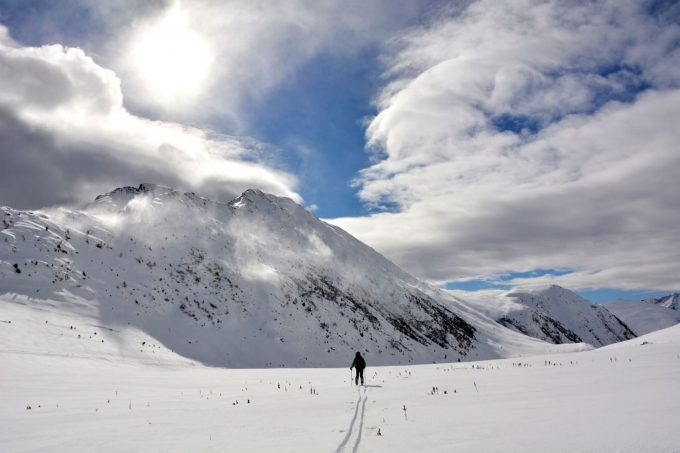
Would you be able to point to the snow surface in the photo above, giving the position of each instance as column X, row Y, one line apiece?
column 645, row 316
column 128, row 393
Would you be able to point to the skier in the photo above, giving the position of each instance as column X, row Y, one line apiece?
column 360, row 364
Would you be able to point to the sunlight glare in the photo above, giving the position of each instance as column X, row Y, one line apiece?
column 173, row 60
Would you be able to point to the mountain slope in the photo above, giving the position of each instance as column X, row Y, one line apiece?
column 256, row 282
column 556, row 315
column 648, row 315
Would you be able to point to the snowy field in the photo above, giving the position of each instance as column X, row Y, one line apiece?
column 128, row 394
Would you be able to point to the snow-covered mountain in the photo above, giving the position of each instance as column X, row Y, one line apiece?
column 556, row 315
column 256, row 282
column 647, row 315
column 671, row 301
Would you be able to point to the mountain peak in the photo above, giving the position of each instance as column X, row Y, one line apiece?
column 251, row 196
column 131, row 190
column 556, row 314
column 120, row 196
column 671, row 301
column 254, row 199
column 545, row 290
column 257, row 200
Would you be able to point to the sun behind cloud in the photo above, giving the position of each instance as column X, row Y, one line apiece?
column 171, row 59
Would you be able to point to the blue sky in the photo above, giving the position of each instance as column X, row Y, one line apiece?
column 317, row 117
column 477, row 144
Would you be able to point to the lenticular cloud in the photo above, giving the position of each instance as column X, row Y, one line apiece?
column 526, row 135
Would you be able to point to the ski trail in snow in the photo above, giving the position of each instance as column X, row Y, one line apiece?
column 361, row 423
column 351, row 424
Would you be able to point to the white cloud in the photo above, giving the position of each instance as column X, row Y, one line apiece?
column 589, row 184
column 255, row 45
column 65, row 136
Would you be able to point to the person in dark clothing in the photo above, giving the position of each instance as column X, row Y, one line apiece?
column 359, row 363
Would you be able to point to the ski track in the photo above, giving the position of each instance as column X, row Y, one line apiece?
column 350, row 429
column 361, row 423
